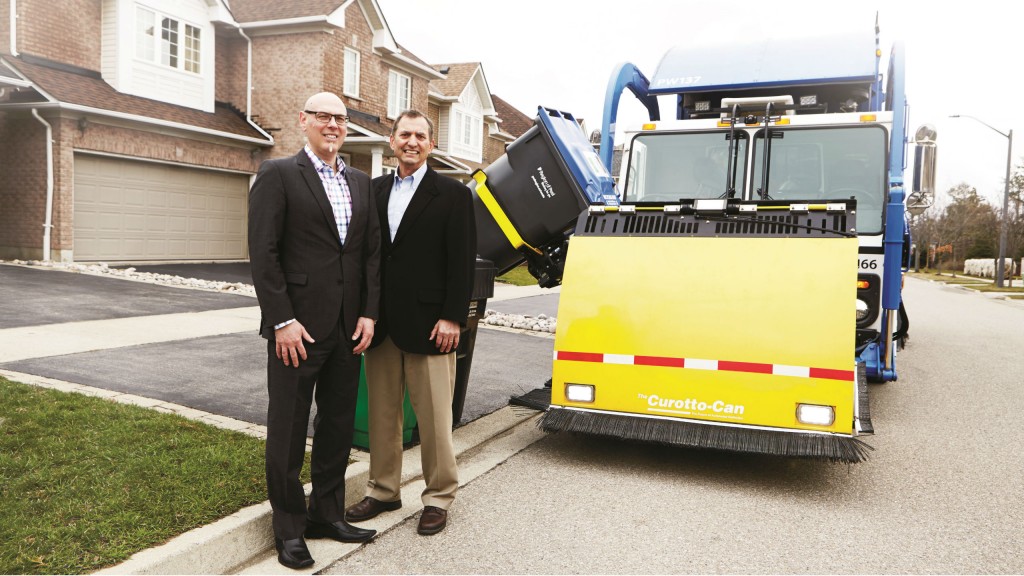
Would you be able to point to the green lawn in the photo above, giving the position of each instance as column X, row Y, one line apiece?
column 518, row 276
column 980, row 284
column 86, row 482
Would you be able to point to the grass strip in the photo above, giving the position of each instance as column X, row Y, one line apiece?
column 979, row 284
column 518, row 276
column 86, row 482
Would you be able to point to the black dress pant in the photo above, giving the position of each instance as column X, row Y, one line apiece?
column 331, row 375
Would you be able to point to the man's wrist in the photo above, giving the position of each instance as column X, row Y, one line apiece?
column 283, row 324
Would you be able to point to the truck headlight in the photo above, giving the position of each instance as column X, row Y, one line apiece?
column 815, row 414
column 862, row 310
column 579, row 392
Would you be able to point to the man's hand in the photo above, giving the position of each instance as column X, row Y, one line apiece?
column 445, row 335
column 289, row 346
column 364, row 333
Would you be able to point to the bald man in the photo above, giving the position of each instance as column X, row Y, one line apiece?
column 314, row 246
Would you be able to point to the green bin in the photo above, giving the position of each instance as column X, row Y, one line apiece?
column 361, row 435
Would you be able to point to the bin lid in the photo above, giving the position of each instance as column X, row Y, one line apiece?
column 579, row 156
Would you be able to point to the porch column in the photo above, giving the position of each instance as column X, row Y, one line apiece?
column 376, row 161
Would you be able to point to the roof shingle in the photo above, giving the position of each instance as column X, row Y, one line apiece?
column 262, row 10
column 90, row 91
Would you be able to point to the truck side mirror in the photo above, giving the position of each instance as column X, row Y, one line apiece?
column 922, row 193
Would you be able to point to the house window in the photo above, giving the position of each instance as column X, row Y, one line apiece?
column 468, row 130
column 351, row 73
column 145, row 42
column 399, row 88
column 191, row 48
column 169, row 42
column 168, row 47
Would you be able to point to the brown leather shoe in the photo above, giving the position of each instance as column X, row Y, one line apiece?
column 432, row 520
column 370, row 508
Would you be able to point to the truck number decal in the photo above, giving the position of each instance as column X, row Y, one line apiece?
column 867, row 264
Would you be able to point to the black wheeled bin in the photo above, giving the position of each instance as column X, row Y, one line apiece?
column 532, row 195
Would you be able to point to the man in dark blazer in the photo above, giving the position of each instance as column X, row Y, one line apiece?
column 314, row 246
column 428, row 259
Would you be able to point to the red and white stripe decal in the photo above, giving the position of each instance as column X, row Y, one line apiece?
column 714, row 365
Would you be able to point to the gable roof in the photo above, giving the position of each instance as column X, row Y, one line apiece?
column 455, row 80
column 513, row 121
column 262, row 10
column 85, row 91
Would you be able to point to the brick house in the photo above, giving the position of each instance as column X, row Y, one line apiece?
column 160, row 113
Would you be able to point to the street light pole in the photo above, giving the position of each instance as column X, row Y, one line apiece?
column 1001, row 262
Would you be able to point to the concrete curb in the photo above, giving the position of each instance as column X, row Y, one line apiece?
column 245, row 537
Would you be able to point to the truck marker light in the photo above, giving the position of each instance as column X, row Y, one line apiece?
column 579, row 392
column 724, row 123
column 815, row 415
column 863, row 284
column 716, row 205
column 781, row 121
column 649, row 126
column 868, row 118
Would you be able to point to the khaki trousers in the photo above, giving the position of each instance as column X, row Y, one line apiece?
column 430, row 380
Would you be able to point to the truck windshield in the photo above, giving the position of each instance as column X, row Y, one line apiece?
column 819, row 164
column 665, row 167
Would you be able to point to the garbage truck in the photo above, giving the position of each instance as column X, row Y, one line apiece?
column 730, row 272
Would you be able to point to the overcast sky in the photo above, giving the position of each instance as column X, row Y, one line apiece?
column 560, row 54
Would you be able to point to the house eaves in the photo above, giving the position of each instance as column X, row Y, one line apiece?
column 438, row 97
column 290, row 26
column 411, row 65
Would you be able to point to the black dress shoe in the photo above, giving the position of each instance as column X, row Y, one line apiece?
column 369, row 508
column 339, row 530
column 293, row 553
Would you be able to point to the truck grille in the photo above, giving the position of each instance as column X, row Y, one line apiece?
column 770, row 225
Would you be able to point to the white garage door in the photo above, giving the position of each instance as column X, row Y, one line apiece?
column 130, row 210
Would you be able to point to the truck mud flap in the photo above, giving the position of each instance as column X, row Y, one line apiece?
column 681, row 433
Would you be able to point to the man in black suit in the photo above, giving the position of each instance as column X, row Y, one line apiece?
column 429, row 255
column 314, row 245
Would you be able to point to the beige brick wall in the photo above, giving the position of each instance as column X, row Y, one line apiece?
column 22, row 185
column 231, row 68
column 287, row 69
column 5, row 29
column 65, row 31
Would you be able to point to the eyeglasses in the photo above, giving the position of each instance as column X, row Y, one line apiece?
column 325, row 118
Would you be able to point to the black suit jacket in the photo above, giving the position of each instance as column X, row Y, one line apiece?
column 299, row 267
column 427, row 272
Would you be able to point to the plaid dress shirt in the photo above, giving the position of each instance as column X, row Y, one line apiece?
column 337, row 191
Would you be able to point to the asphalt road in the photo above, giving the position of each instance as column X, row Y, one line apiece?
column 37, row 296
column 941, row 493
